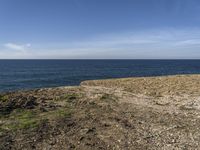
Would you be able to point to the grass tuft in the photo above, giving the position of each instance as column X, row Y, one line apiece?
column 3, row 98
column 108, row 98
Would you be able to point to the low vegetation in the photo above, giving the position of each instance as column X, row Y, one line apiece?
column 131, row 113
column 3, row 98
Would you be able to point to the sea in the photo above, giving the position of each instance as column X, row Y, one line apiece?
column 31, row 74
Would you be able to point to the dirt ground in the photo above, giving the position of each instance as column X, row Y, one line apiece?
column 126, row 114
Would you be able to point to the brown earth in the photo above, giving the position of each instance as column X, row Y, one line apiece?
column 130, row 113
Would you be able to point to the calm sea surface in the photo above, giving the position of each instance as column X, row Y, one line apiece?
column 29, row 74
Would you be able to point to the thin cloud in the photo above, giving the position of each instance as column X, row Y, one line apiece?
column 163, row 43
column 146, row 39
column 188, row 42
column 17, row 47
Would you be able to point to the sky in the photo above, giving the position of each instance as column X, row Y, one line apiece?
column 99, row 29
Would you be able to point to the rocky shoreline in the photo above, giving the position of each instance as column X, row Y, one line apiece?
column 129, row 113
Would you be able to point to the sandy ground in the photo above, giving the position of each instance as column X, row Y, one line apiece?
column 130, row 113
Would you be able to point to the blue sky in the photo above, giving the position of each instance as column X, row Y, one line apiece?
column 90, row 29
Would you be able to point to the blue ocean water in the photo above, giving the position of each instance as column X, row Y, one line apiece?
column 29, row 74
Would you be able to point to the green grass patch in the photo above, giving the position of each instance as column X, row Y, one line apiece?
column 59, row 113
column 28, row 119
column 20, row 119
column 3, row 98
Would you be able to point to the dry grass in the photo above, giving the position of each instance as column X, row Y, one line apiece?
column 130, row 113
column 153, row 86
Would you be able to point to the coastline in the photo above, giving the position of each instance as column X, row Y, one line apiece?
column 141, row 112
